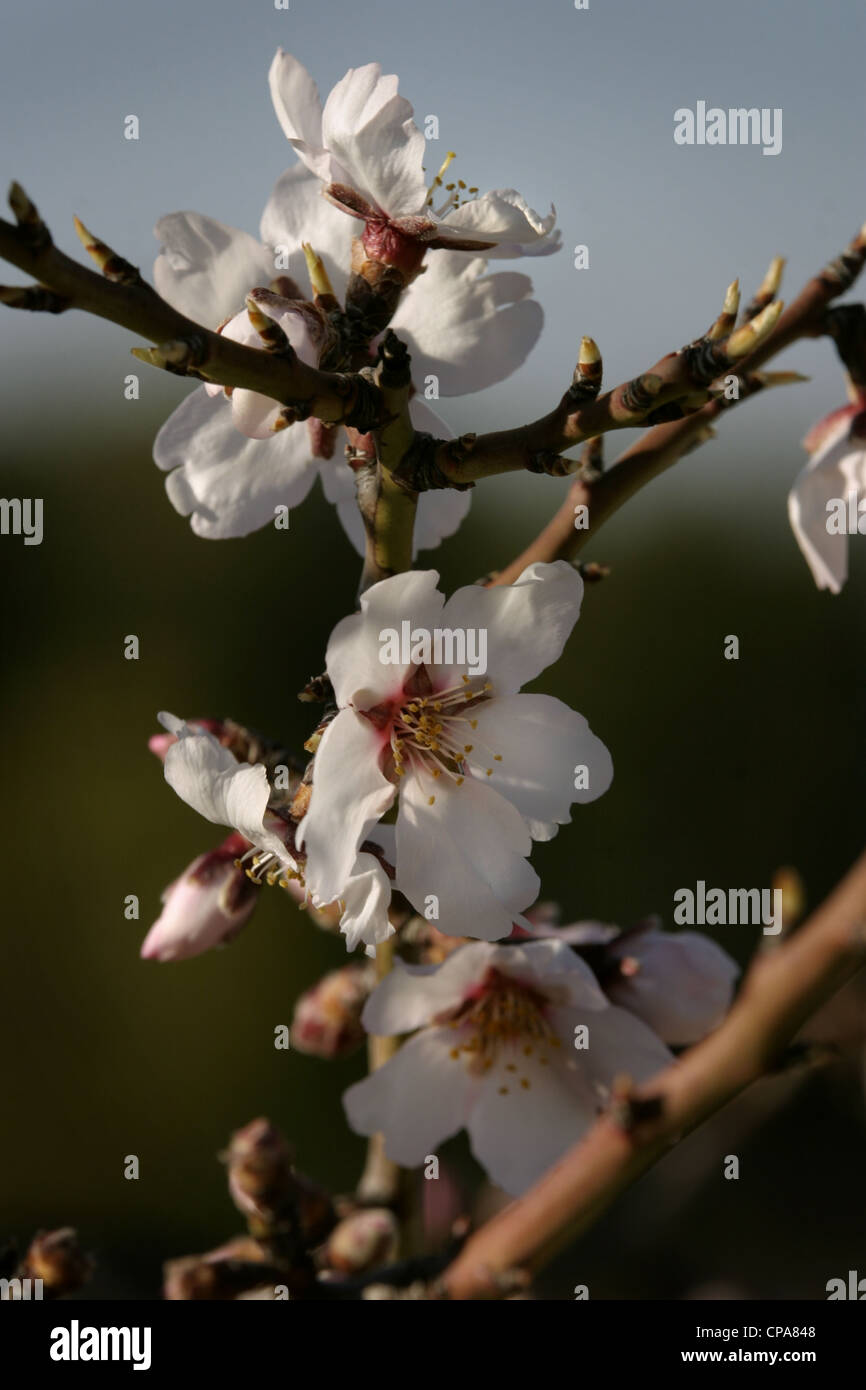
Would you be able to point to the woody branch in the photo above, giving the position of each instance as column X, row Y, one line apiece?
column 665, row 444
column 121, row 295
column 677, row 384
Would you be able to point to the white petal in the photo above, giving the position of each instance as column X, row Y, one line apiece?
column 683, row 986
column 210, row 779
column 205, row 269
column 620, row 1044
column 230, row 485
column 411, row 996
column 420, row 1098
column 296, row 212
column 468, row 849
column 349, row 795
column 519, row 1131
column 506, row 219
column 353, row 657
column 838, row 468
column 542, row 744
column 297, row 104
column 369, row 131
column 527, row 623
column 555, row 971
column 367, row 896
column 465, row 327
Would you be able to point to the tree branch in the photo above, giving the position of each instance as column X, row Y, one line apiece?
column 782, row 988
column 122, row 296
column 665, row 444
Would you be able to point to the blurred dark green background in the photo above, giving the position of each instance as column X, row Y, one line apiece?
column 724, row 771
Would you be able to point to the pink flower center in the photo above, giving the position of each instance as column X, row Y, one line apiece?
column 435, row 734
column 503, row 1012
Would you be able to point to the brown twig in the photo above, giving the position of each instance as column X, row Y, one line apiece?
column 122, row 296
column 782, row 988
column 665, row 444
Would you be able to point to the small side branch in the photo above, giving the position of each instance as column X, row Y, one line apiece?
column 122, row 296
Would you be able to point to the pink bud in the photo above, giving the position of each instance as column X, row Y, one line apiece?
column 207, row 906
column 364, row 1239
column 327, row 1020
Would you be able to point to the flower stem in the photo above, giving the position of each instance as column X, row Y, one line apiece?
column 380, row 1180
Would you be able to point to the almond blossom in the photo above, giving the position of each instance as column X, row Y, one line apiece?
column 516, row 1044
column 466, row 329
column 835, row 474
column 367, row 151
column 209, row 778
column 478, row 768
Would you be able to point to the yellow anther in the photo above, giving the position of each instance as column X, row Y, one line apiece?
column 437, row 182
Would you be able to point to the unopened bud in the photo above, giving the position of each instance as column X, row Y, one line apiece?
column 363, row 1240
column 327, row 1021
column 57, row 1259
column 207, row 906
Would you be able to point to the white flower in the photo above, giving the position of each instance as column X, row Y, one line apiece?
column 465, row 329
column 499, row 1052
column 209, row 778
column 480, row 768
column 207, row 906
column 680, row 983
column 367, row 151
column 836, row 470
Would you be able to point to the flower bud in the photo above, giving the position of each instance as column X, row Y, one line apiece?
column 207, row 906
column 57, row 1259
column 363, row 1240
column 327, row 1021
column 219, row 1275
column 260, row 1170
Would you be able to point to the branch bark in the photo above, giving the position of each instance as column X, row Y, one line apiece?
column 122, row 296
column 782, row 988
column 665, row 444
